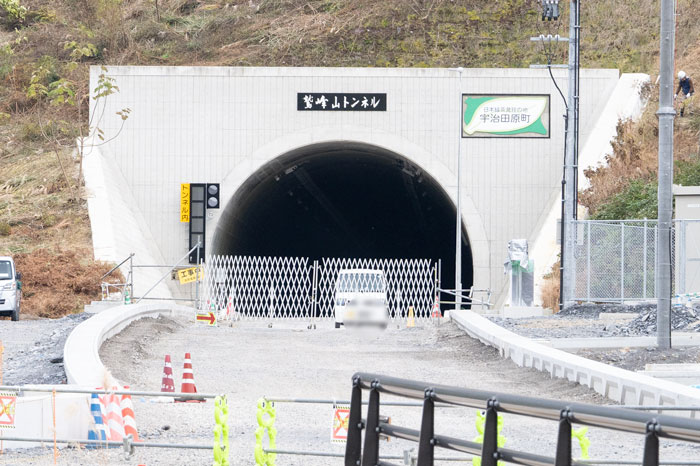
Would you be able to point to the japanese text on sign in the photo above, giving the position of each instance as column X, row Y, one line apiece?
column 505, row 116
column 341, row 420
column 341, row 102
column 184, row 202
column 188, row 275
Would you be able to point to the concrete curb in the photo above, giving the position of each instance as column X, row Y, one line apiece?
column 620, row 385
column 81, row 353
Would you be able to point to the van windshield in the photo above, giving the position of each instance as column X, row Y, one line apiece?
column 5, row 270
column 362, row 282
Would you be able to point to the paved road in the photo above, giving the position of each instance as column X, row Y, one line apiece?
column 249, row 360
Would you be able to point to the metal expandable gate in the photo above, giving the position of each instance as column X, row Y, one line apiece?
column 651, row 426
column 252, row 287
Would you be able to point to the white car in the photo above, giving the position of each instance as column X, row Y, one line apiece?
column 10, row 288
column 360, row 298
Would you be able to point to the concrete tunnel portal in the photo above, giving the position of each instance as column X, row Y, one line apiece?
column 343, row 200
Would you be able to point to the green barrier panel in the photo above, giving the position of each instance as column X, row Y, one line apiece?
column 480, row 423
column 221, row 443
column 265, row 424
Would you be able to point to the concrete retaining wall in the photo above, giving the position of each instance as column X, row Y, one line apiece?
column 617, row 384
column 81, row 353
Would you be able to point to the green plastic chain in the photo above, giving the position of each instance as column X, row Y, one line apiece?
column 221, row 450
column 583, row 441
column 480, row 424
column 265, row 423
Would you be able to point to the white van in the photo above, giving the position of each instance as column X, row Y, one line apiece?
column 360, row 298
column 10, row 288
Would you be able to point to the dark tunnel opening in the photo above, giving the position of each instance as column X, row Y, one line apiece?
column 343, row 200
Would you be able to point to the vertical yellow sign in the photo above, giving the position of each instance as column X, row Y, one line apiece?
column 185, row 202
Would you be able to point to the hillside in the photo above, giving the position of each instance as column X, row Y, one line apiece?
column 46, row 47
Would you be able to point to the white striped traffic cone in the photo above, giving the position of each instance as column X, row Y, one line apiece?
column 127, row 408
column 97, row 431
column 188, row 385
column 168, row 384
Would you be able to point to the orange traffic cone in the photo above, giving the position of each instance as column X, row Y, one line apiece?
column 168, row 384
column 188, row 385
column 128, row 416
column 436, row 309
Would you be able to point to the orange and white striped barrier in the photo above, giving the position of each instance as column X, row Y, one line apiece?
column 110, row 405
column 127, row 408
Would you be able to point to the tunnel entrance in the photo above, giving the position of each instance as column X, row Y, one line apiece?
column 343, row 200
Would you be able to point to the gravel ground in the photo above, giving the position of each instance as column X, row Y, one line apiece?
column 249, row 360
column 581, row 321
column 635, row 359
column 33, row 349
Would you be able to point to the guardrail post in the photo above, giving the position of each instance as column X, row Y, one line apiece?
column 489, row 450
column 426, row 442
column 563, row 456
column 370, row 455
column 651, row 444
column 353, row 447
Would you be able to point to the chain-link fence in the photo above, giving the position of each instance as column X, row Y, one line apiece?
column 615, row 261
column 248, row 287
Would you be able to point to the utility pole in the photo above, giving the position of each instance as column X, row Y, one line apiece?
column 458, row 236
column 666, row 114
column 570, row 168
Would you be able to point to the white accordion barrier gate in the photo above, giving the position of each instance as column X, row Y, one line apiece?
column 254, row 287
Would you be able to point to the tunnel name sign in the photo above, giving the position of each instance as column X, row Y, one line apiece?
column 343, row 102
column 505, row 116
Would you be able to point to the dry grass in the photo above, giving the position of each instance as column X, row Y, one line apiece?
column 550, row 288
column 635, row 149
column 56, row 283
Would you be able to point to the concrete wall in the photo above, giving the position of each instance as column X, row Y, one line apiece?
column 199, row 124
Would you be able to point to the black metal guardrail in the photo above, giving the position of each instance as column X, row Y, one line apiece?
column 652, row 426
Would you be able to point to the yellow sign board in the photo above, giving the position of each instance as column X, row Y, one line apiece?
column 189, row 275
column 184, row 202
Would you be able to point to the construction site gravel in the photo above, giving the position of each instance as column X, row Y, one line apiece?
column 249, row 360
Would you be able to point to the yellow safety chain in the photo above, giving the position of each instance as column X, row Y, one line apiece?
column 265, row 424
column 583, row 441
column 480, row 424
column 221, row 443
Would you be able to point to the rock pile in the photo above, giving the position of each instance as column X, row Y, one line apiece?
column 682, row 318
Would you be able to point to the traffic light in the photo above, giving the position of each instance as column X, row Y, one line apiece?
column 212, row 195
column 198, row 214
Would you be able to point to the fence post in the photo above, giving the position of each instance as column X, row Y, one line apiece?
column 588, row 261
column 131, row 276
column 656, row 251
column 622, row 263
column 489, row 450
column 563, row 456
column 651, row 445
column 370, row 455
column 314, row 295
column 644, row 265
column 682, row 260
column 353, row 446
column 426, row 443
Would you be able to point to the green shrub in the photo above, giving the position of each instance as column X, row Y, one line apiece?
column 637, row 200
column 12, row 13
column 5, row 229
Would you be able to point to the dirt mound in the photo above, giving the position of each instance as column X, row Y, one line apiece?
column 55, row 284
